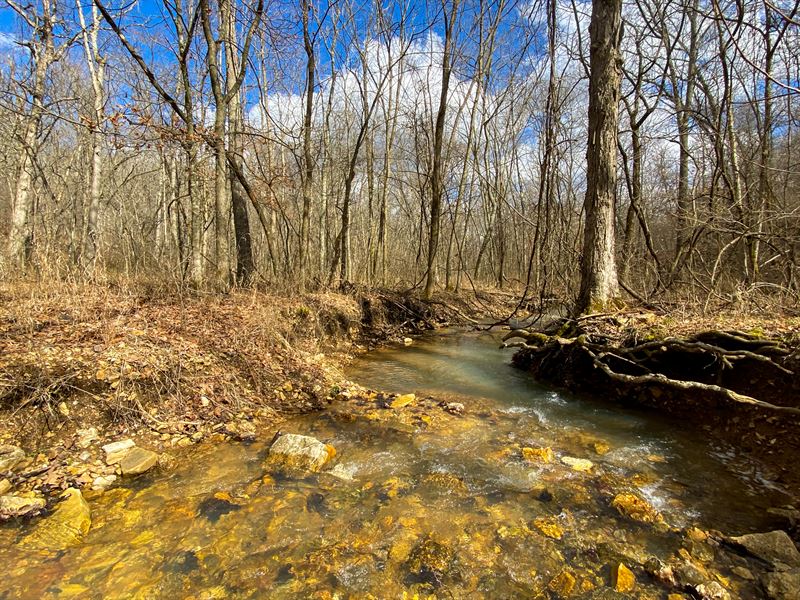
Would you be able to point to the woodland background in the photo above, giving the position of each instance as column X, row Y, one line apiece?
column 297, row 145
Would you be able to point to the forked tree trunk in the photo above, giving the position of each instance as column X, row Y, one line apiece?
column 437, row 176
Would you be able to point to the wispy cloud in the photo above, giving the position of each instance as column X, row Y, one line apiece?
column 7, row 41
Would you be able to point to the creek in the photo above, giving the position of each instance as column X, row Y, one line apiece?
column 420, row 502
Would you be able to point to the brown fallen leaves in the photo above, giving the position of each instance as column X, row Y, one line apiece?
column 80, row 356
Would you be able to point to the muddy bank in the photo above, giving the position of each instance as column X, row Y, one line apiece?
column 725, row 383
column 82, row 368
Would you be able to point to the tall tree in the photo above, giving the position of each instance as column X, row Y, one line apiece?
column 307, row 172
column 437, row 172
column 44, row 50
column 599, row 284
column 225, row 87
column 96, row 65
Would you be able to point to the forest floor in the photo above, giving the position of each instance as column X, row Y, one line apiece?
column 84, row 366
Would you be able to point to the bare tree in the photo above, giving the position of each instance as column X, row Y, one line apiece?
column 599, row 285
column 450, row 10
column 44, row 50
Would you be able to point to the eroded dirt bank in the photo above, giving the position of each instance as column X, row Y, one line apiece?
column 725, row 377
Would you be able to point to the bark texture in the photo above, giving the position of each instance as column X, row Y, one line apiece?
column 599, row 285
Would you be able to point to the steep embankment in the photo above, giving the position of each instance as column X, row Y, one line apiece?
column 740, row 386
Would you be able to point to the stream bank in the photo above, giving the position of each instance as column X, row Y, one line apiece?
column 85, row 367
column 465, row 479
column 725, row 383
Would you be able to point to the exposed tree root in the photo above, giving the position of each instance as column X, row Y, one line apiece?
column 640, row 359
column 725, row 381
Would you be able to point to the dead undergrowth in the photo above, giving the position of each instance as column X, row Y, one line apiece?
column 74, row 356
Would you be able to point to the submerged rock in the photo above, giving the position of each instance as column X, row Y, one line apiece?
column 782, row 585
column 19, row 506
column 562, row 584
column 10, row 457
column 403, row 400
column 601, row 448
column 454, row 408
column 343, row 472
column 216, row 506
column 393, row 487
column 787, row 518
column 577, row 464
column 622, row 578
column 632, row 506
column 691, row 574
column 775, row 547
column 67, row 526
column 549, row 526
column 137, row 461
column 538, row 454
column 445, row 482
column 299, row 455
column 429, row 560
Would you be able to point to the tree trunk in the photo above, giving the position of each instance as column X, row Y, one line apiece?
column 96, row 66
column 245, row 265
column 437, row 177
column 683, row 107
column 308, row 165
column 42, row 49
column 599, row 285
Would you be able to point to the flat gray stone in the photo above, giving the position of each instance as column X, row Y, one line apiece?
column 137, row 461
column 775, row 547
column 116, row 451
column 10, row 457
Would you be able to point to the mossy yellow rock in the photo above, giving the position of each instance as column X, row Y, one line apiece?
column 549, row 527
column 562, row 584
column 67, row 526
column 578, row 464
column 623, row 579
column 403, row 400
column 538, row 454
column 601, row 448
column 636, row 508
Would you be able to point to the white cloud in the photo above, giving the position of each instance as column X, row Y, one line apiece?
column 7, row 41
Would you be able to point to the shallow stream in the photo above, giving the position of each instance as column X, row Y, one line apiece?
column 418, row 501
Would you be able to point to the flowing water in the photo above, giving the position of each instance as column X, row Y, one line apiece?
column 418, row 502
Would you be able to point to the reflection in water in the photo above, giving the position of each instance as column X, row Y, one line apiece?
column 418, row 501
